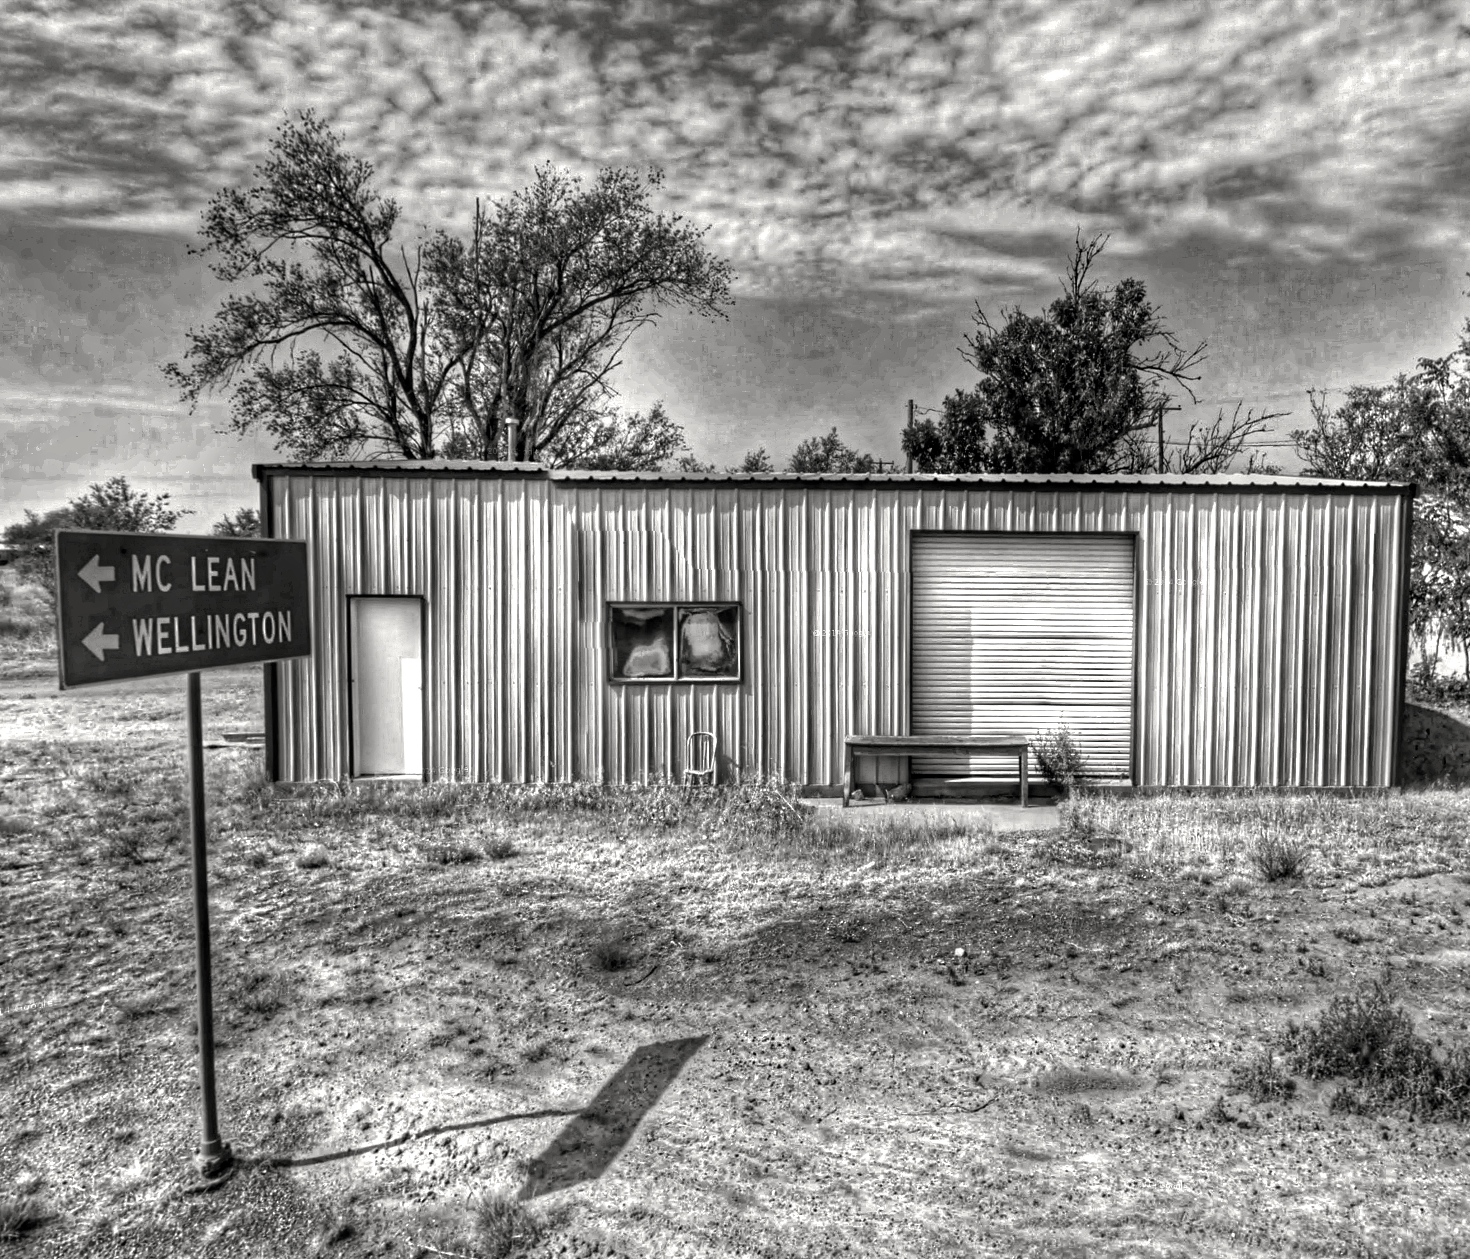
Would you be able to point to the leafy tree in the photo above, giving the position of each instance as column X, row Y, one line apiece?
column 618, row 442
column 755, row 461
column 1074, row 390
column 828, row 453
column 548, row 290
column 243, row 523
column 1416, row 429
column 340, row 343
column 109, row 505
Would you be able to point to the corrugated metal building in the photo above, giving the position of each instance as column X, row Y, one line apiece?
column 506, row 623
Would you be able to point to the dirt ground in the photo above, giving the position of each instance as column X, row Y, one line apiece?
column 666, row 1043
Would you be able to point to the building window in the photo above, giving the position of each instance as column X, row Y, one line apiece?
column 675, row 642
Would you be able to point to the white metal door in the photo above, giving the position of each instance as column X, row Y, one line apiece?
column 1023, row 633
column 387, row 686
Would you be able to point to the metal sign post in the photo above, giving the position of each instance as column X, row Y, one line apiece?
column 214, row 1156
column 131, row 605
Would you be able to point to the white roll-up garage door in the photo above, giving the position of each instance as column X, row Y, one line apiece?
column 1023, row 633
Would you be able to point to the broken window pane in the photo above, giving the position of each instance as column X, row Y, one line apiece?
column 643, row 642
column 709, row 642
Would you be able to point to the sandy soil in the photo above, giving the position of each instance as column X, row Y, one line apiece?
column 780, row 1065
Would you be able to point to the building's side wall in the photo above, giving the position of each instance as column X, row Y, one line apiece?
column 1267, row 632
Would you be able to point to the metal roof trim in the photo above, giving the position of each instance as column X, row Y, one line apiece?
column 400, row 467
column 1139, row 481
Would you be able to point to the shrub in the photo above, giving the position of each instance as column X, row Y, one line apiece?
column 1060, row 759
column 611, row 953
column 1276, row 858
column 1371, row 1041
column 450, row 854
column 19, row 1214
column 504, row 1226
column 262, row 992
column 125, row 845
column 314, row 858
column 1262, row 1079
column 500, row 847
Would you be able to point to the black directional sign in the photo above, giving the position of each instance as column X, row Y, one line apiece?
column 130, row 605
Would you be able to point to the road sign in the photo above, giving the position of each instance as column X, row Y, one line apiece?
column 131, row 605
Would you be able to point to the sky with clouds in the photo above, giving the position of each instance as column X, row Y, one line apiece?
column 1288, row 179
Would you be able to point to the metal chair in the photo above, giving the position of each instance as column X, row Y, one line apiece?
column 699, row 757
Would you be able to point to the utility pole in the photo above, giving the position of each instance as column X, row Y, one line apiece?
column 909, row 465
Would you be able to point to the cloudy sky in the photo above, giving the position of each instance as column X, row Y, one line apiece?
column 1288, row 179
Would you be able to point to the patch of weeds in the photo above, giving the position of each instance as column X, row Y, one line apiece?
column 1064, row 1080
column 1365, row 1037
column 334, row 1233
column 313, row 858
column 1217, row 1113
column 104, row 780
column 454, row 853
column 141, row 1007
column 1262, row 1079
column 503, row 1226
column 1236, row 885
column 1277, row 858
column 262, row 992
column 20, row 1213
column 1348, row 1101
column 500, row 848
column 764, row 806
column 612, row 953
column 124, row 845
column 1351, row 935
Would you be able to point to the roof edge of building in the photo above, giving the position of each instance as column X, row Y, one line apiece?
column 536, row 471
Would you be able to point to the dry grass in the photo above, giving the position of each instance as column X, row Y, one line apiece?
column 1052, row 1089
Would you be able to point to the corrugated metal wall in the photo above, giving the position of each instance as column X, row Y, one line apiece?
column 1268, row 628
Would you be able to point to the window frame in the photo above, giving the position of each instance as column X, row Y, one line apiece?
column 675, row 607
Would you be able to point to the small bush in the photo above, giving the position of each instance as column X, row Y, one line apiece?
column 612, row 953
column 262, row 992
column 1262, row 1079
column 1276, row 858
column 314, row 858
column 125, row 845
column 1371, row 1041
column 500, row 847
column 142, row 1006
column 504, row 1227
column 1060, row 759
column 452, row 854
column 103, row 780
column 19, row 1214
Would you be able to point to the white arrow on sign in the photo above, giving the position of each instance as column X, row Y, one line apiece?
column 97, row 642
column 94, row 573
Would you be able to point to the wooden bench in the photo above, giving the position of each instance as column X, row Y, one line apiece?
column 915, row 745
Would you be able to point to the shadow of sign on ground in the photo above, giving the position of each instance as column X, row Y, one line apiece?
column 587, row 1146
